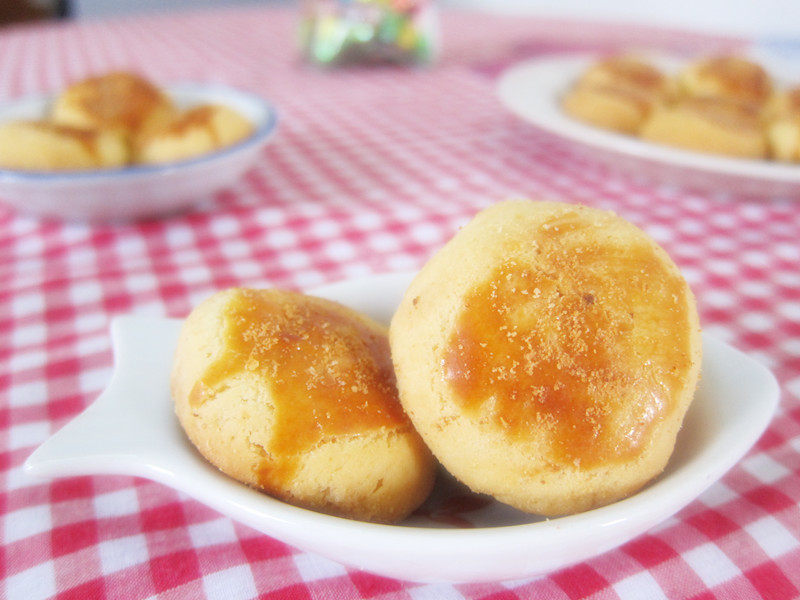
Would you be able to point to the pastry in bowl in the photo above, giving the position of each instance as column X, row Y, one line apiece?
column 46, row 146
column 617, row 93
column 89, row 121
column 195, row 132
column 296, row 396
column 120, row 101
column 710, row 125
column 547, row 355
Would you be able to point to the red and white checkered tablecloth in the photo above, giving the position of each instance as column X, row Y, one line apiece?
column 370, row 172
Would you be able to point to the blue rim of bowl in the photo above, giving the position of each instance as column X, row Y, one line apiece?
column 259, row 136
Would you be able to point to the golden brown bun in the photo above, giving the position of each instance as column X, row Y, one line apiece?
column 785, row 103
column 618, row 94
column 729, row 78
column 121, row 101
column 44, row 146
column 628, row 73
column 708, row 125
column 783, row 130
column 784, row 139
column 547, row 355
column 295, row 395
column 197, row 131
column 607, row 107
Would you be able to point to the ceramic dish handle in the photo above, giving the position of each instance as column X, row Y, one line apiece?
column 125, row 431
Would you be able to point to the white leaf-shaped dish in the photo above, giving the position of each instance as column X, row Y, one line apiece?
column 131, row 429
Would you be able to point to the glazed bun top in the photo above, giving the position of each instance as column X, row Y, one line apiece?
column 119, row 101
column 328, row 372
column 727, row 77
column 577, row 335
column 627, row 73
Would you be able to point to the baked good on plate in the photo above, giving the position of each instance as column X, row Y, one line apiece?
column 547, row 356
column 783, row 130
column 617, row 93
column 729, row 78
column 45, row 146
column 296, row 395
column 710, row 125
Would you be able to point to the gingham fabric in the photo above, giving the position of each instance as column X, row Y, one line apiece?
column 370, row 172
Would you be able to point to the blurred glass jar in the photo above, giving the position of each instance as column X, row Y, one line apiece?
column 342, row 32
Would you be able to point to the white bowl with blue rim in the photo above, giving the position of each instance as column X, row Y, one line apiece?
column 139, row 191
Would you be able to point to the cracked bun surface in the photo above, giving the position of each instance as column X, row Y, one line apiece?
column 296, row 396
column 547, row 356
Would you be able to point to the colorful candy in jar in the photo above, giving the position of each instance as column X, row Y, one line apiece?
column 340, row 32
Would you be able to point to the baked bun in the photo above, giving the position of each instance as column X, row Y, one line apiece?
column 783, row 131
column 120, row 101
column 729, row 78
column 547, row 355
column 628, row 73
column 296, row 395
column 197, row 131
column 45, row 146
column 710, row 125
column 618, row 94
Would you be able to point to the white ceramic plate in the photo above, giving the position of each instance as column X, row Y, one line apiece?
column 138, row 191
column 533, row 91
column 131, row 429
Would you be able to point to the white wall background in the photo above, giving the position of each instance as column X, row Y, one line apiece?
column 748, row 17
